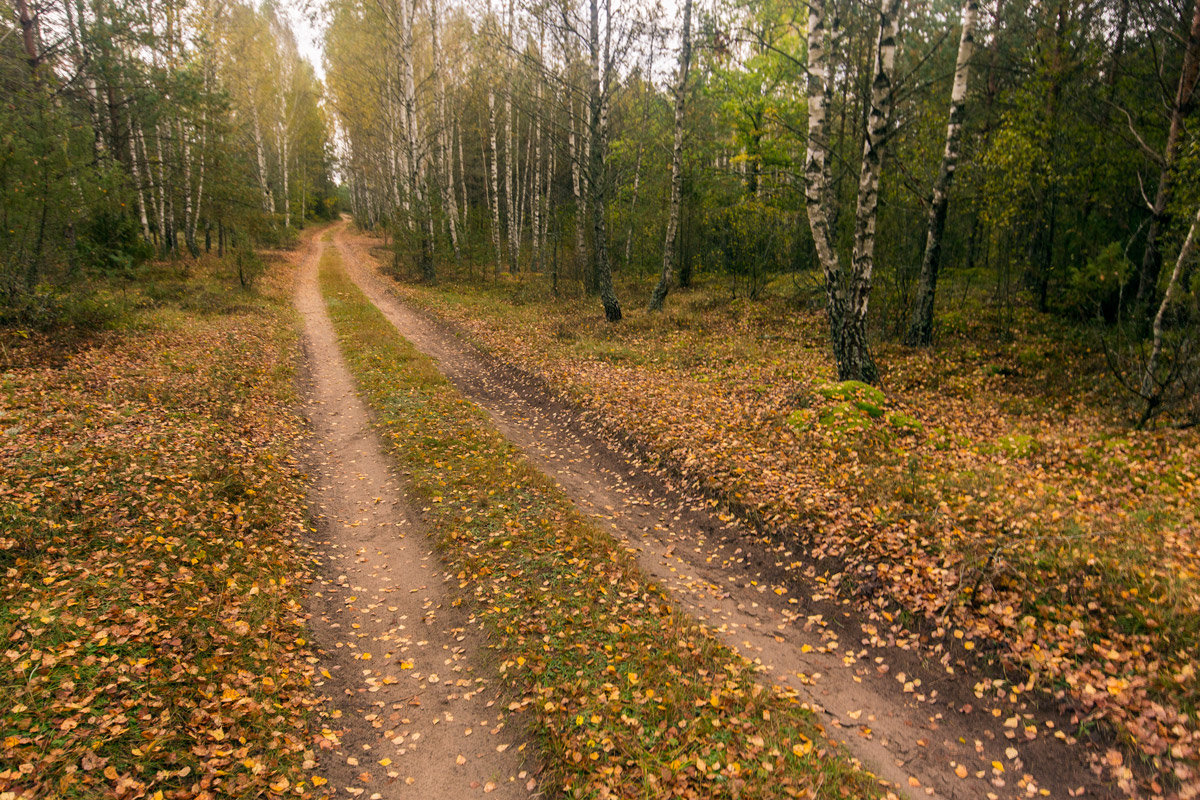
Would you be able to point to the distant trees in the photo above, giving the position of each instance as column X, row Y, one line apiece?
column 737, row 143
column 136, row 126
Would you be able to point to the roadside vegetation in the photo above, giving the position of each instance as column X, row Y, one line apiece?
column 150, row 523
column 990, row 499
column 626, row 696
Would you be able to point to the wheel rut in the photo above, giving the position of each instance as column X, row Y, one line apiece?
column 906, row 719
column 414, row 705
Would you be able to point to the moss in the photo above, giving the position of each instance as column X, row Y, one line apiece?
column 844, row 417
column 800, row 420
column 870, row 409
column 905, row 422
column 852, row 390
column 1017, row 445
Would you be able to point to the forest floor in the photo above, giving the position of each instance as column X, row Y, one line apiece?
column 991, row 513
column 151, row 544
column 980, row 583
column 918, row 721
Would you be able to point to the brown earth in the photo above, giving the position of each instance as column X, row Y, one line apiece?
column 912, row 720
column 413, row 701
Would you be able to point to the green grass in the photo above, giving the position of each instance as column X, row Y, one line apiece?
column 626, row 696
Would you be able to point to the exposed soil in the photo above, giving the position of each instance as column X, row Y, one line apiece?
column 405, row 671
column 912, row 720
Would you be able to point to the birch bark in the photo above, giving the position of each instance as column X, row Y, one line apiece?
column 855, row 361
column 669, row 243
column 1159, row 211
column 920, row 327
column 1152, row 388
column 597, row 161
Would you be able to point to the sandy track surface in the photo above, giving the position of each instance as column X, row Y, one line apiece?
column 414, row 702
column 907, row 719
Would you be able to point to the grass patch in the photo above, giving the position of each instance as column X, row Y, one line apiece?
column 628, row 697
column 149, row 522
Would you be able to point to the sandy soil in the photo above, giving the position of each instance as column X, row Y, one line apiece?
column 906, row 717
column 405, row 673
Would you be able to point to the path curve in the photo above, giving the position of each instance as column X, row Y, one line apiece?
column 403, row 668
column 924, row 738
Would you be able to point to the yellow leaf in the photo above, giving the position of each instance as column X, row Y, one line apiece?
column 319, row 781
column 960, row 771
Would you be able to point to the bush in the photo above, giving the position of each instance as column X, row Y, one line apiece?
column 109, row 244
column 1095, row 288
column 750, row 242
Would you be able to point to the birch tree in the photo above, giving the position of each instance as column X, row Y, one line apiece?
column 920, row 327
column 848, row 295
column 669, row 244
column 1167, row 160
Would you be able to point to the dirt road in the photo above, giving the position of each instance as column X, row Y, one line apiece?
column 908, row 720
column 412, row 698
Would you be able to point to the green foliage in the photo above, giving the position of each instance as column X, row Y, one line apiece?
column 1096, row 288
column 750, row 242
column 110, row 244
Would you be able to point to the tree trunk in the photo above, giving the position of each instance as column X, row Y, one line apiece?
column 920, row 327
column 1159, row 211
column 497, row 233
column 535, row 206
column 445, row 156
column 669, row 244
column 135, row 172
column 598, row 164
column 510, row 194
column 261, row 158
column 855, row 362
column 460, row 194
column 1152, row 388
column 418, row 202
column 817, row 171
column 283, row 174
column 578, row 148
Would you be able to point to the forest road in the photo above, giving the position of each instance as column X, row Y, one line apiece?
column 902, row 715
column 414, row 707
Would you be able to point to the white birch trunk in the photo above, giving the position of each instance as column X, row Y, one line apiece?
column 445, row 156
column 135, row 171
column 1152, row 388
column 920, row 329
column 578, row 148
column 817, row 166
column 497, row 233
column 261, row 157
column 283, row 173
column 668, row 259
column 856, row 362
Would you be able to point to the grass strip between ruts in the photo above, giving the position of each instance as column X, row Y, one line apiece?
column 626, row 696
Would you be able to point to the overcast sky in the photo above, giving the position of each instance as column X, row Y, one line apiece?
column 307, row 25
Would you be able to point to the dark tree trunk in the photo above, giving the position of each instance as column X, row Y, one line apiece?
column 1147, row 285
